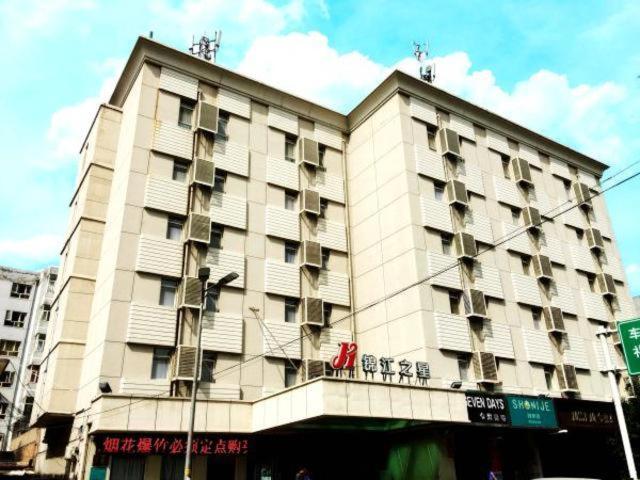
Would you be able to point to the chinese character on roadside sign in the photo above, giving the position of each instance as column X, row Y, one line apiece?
column 629, row 331
column 153, row 444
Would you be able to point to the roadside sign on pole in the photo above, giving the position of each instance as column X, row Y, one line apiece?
column 629, row 331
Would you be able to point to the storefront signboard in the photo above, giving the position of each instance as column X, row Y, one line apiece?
column 487, row 409
column 98, row 473
column 629, row 331
column 535, row 412
column 168, row 444
column 585, row 414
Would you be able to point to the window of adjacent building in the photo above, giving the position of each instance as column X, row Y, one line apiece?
column 322, row 150
column 223, row 126
column 14, row 319
column 41, row 338
column 548, row 377
column 34, row 373
column 445, row 240
column 290, row 252
column 219, row 181
column 326, row 255
column 463, row 367
column 537, row 318
column 168, row 288
column 9, row 347
column 20, row 290
column 290, row 375
column 180, row 170
column 211, row 301
column 208, row 366
column 6, row 378
column 505, row 167
column 185, row 116
column 290, row 148
column 290, row 309
column 174, row 228
column 431, row 136
column 3, row 410
column 454, row 302
column 46, row 313
column 290, row 199
column 438, row 191
column 327, row 310
column 515, row 216
column 160, row 363
column 217, row 231
column 324, row 203
column 526, row 264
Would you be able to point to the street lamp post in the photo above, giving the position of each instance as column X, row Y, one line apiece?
column 203, row 276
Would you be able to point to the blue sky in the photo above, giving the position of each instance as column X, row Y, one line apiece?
column 568, row 69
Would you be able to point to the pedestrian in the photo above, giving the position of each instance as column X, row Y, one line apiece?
column 303, row 474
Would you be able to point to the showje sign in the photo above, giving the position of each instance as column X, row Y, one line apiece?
column 345, row 361
column 531, row 411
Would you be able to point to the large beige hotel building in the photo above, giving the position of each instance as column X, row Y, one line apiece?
column 427, row 230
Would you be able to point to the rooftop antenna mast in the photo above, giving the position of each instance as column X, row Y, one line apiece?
column 427, row 67
column 206, row 48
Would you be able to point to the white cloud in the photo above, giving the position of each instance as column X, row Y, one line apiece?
column 69, row 125
column 633, row 276
column 36, row 249
column 22, row 18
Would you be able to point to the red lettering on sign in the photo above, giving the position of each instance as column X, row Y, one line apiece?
column 346, row 357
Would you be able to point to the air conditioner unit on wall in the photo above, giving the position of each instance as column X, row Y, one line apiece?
column 475, row 305
column 606, row 284
column 184, row 362
column 309, row 152
column 532, row 218
column 594, row 239
column 457, row 194
column 207, row 117
column 521, row 171
column 311, row 254
column 554, row 320
column 190, row 292
column 449, row 142
column 311, row 202
column 485, row 367
column 465, row 245
column 542, row 267
column 583, row 195
column 567, row 378
column 202, row 172
column 313, row 312
column 314, row 369
column 199, row 228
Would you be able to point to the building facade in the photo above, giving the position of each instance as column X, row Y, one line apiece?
column 391, row 261
column 18, row 289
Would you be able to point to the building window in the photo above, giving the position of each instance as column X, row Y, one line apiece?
column 9, row 347
column 219, row 181
column 526, row 264
column 46, row 313
column 216, row 236
column 463, row 367
column 515, row 216
column 322, row 150
column 290, row 149
column 28, row 408
column 14, row 319
column 3, row 410
column 40, row 341
column 208, row 366
column 290, row 252
column 6, row 378
column 223, row 124
column 537, row 318
column 211, row 301
column 168, row 288
column 20, row 290
column 174, row 228
column 326, row 254
column 567, row 188
column 290, row 309
column 438, row 191
column 454, row 302
column 290, row 375
column 185, row 116
column 505, row 167
column 431, row 136
column 324, row 203
column 160, row 363
column 34, row 373
column 548, row 377
column 180, row 171
column 579, row 234
column 592, row 283
column 445, row 240
column 290, row 199
column 327, row 310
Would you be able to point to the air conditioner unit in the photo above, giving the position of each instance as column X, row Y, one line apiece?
column 184, row 362
column 190, row 292
column 311, row 254
column 199, row 228
column 583, row 195
column 474, row 304
column 594, row 239
column 532, row 218
column 567, row 378
column 554, row 320
column 457, row 193
column 314, row 369
column 449, row 142
column 465, row 245
column 542, row 267
column 313, row 312
column 311, row 202
column 202, row 172
column 615, row 338
column 485, row 367
column 606, row 284
column 207, row 117
column 521, row 171
column 309, row 152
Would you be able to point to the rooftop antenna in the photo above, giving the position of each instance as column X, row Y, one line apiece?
column 427, row 67
column 206, row 48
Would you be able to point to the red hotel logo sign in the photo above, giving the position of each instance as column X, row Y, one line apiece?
column 164, row 444
column 346, row 357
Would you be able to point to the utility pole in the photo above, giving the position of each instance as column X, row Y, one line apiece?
column 602, row 334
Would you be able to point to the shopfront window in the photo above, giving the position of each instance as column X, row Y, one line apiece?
column 127, row 468
column 172, row 468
